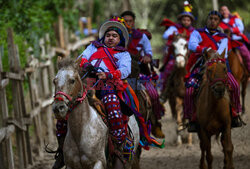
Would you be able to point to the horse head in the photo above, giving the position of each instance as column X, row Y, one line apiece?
column 68, row 87
column 180, row 50
column 216, row 72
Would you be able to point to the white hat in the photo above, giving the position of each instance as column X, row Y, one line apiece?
column 117, row 24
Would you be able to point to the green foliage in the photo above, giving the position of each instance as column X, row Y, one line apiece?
column 31, row 19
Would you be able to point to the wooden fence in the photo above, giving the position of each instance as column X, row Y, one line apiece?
column 24, row 130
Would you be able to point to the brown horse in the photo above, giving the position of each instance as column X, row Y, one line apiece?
column 240, row 73
column 175, row 88
column 213, row 110
column 86, row 141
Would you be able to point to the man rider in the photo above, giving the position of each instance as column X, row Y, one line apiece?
column 202, row 40
column 108, row 53
column 236, row 27
column 140, row 49
column 185, row 20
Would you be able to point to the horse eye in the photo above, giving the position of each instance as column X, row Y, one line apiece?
column 72, row 81
column 54, row 81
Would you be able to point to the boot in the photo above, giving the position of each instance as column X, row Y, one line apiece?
column 156, row 130
column 237, row 122
column 59, row 163
column 192, row 127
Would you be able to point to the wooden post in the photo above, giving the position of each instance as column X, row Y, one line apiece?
column 26, row 136
column 7, row 144
column 15, row 67
column 61, row 30
column 46, row 113
column 215, row 4
column 36, row 120
column 89, row 25
column 81, row 26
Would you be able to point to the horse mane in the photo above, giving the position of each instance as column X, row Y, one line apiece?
column 177, row 36
column 65, row 63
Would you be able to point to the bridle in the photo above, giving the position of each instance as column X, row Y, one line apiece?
column 73, row 102
column 212, row 81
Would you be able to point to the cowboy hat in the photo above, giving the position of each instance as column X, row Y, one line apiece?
column 117, row 24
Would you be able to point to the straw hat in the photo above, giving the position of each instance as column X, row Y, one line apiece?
column 117, row 24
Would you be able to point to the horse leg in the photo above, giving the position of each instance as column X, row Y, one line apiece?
column 203, row 143
column 209, row 156
column 190, row 139
column 178, row 109
column 227, row 148
column 99, row 165
column 172, row 103
column 135, row 163
column 243, row 93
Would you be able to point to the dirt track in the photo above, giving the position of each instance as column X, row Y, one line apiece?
column 184, row 156
column 188, row 157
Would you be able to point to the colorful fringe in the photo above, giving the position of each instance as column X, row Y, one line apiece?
column 145, row 139
column 130, row 98
column 128, row 149
column 145, row 129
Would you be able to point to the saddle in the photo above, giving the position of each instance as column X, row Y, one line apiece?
column 97, row 105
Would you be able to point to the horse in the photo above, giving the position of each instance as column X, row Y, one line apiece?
column 86, row 140
column 240, row 73
column 213, row 109
column 175, row 87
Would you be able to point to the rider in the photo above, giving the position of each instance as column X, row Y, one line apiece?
column 202, row 40
column 185, row 20
column 236, row 27
column 109, row 53
column 140, row 49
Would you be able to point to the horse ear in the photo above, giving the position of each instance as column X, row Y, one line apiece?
column 59, row 58
column 205, row 54
column 223, row 54
column 185, row 33
column 78, row 61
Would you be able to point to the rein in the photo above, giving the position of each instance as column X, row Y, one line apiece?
column 179, row 54
column 74, row 102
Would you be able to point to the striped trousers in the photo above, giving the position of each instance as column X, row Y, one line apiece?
column 189, row 109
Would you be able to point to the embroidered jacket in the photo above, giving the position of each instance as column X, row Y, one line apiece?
column 235, row 25
column 178, row 29
column 122, row 59
column 139, row 42
column 201, row 39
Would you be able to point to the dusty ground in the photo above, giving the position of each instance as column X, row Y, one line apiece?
column 187, row 157
column 184, row 156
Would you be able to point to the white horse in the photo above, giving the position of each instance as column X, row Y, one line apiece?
column 175, row 88
column 87, row 135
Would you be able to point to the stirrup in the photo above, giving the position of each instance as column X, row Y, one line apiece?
column 237, row 122
column 192, row 127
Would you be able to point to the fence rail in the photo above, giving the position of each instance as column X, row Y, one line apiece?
column 31, row 107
